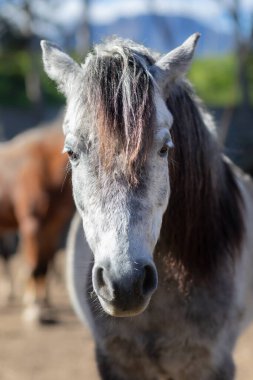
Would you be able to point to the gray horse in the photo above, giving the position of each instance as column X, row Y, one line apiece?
column 158, row 258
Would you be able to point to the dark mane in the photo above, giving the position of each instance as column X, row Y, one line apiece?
column 203, row 223
column 120, row 90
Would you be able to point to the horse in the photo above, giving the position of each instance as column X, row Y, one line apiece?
column 160, row 251
column 36, row 202
column 8, row 248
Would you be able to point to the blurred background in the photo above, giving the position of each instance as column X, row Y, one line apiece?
column 222, row 74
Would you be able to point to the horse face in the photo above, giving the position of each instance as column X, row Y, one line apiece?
column 121, row 223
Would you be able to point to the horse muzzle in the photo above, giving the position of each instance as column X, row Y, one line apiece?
column 125, row 293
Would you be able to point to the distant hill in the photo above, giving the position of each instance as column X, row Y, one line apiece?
column 163, row 33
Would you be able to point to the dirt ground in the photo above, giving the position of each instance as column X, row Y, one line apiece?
column 64, row 350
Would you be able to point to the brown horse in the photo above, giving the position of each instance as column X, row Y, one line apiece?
column 35, row 199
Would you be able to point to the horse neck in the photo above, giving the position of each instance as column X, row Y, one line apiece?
column 203, row 223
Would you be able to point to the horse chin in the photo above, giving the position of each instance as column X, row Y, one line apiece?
column 115, row 311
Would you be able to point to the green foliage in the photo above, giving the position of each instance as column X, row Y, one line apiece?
column 12, row 84
column 14, row 66
column 215, row 80
column 51, row 95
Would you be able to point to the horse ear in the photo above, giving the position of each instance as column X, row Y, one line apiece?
column 176, row 63
column 59, row 66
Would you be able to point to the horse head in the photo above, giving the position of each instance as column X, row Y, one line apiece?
column 117, row 136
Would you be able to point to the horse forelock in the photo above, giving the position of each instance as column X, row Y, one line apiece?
column 119, row 92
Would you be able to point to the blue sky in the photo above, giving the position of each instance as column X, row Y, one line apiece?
column 70, row 13
column 105, row 11
column 211, row 12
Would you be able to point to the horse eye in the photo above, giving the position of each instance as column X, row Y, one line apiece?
column 164, row 150
column 72, row 155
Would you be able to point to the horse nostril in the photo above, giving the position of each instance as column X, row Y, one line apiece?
column 100, row 277
column 130, row 289
column 149, row 281
column 102, row 284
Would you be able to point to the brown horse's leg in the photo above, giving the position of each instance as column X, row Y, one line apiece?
column 36, row 296
column 9, row 276
column 40, row 224
column 37, row 284
column 7, row 292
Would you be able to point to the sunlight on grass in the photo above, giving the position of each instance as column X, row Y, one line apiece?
column 215, row 80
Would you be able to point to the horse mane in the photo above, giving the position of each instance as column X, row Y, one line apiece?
column 120, row 93
column 203, row 223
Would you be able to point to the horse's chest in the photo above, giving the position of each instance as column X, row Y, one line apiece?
column 155, row 355
column 169, row 337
